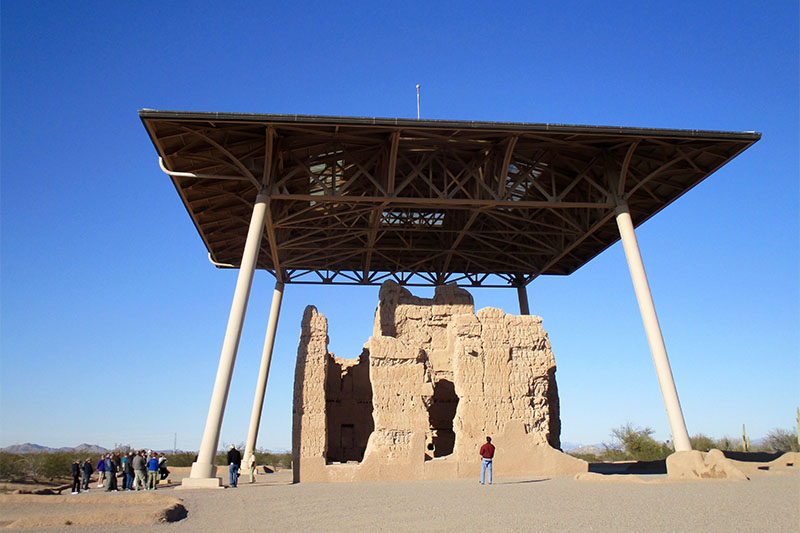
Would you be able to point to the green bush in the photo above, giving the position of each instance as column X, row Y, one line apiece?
column 33, row 466
column 180, row 459
column 702, row 443
column 782, row 440
column 638, row 444
column 57, row 465
column 11, row 466
column 588, row 457
column 280, row 460
column 727, row 444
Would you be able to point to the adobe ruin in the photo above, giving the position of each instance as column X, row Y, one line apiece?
column 431, row 383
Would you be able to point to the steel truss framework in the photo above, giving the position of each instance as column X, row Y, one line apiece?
column 360, row 201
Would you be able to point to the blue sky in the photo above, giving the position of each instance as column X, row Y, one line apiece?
column 112, row 317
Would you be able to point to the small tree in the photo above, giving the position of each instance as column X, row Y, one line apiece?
column 638, row 443
column 181, row 459
column 781, row 440
column 57, row 465
column 702, row 443
column 725, row 444
column 11, row 466
column 33, row 465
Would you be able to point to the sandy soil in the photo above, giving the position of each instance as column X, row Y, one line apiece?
column 770, row 501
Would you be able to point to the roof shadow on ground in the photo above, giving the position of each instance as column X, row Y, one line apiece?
column 637, row 467
column 752, row 457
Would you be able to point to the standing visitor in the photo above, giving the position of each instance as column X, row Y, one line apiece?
column 127, row 472
column 117, row 462
column 76, row 477
column 111, row 474
column 139, row 470
column 487, row 454
column 251, row 466
column 234, row 464
column 101, row 471
column 152, row 471
column 87, row 472
column 162, row 467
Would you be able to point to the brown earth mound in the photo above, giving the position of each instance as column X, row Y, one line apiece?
column 33, row 511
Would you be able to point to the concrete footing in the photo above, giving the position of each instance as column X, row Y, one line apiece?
column 201, row 483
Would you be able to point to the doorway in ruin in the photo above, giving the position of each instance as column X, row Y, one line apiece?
column 441, row 413
column 348, row 408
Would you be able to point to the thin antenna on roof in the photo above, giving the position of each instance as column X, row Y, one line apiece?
column 418, row 101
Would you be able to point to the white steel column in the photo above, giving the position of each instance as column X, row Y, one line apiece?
column 203, row 470
column 522, row 293
column 680, row 436
column 263, row 371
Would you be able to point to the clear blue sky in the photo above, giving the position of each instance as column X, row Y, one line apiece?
column 113, row 318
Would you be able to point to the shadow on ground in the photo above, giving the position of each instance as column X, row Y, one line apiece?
column 630, row 467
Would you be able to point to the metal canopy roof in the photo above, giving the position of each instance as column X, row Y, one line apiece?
column 423, row 202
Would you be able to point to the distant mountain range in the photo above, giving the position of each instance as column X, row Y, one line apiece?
column 89, row 449
column 37, row 448
column 569, row 446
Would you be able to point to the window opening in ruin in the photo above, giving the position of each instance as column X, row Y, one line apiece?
column 348, row 409
column 440, row 418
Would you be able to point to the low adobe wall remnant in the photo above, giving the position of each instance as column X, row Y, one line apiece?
column 432, row 382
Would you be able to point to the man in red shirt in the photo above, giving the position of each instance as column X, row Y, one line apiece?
column 487, row 454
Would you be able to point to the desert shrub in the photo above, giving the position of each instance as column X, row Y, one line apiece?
column 33, row 466
column 11, row 466
column 57, row 465
column 638, row 444
column 702, row 443
column 727, row 444
column 181, row 459
column 615, row 452
column 588, row 457
column 781, row 440
column 280, row 460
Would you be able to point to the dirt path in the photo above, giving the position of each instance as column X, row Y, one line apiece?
column 769, row 502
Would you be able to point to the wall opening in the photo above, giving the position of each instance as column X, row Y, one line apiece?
column 441, row 413
column 348, row 408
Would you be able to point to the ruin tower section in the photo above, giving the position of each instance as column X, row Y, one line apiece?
column 434, row 379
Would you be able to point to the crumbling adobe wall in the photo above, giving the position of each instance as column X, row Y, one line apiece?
column 440, row 379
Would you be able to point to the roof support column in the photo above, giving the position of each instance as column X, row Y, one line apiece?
column 263, row 371
column 522, row 294
column 680, row 437
column 203, row 470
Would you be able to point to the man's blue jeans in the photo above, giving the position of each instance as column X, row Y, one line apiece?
column 486, row 464
column 234, row 471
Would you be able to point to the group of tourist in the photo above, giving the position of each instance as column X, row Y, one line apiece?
column 138, row 470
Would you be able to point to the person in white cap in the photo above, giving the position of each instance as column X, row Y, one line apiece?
column 234, row 464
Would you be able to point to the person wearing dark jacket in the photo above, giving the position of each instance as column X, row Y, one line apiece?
column 111, row 473
column 87, row 472
column 76, row 477
column 234, row 463
column 127, row 472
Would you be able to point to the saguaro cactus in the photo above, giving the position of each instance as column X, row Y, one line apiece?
column 745, row 441
column 798, row 426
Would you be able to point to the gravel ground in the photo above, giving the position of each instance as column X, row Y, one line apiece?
column 768, row 502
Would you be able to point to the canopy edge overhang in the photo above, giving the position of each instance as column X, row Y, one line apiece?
column 517, row 200
column 207, row 116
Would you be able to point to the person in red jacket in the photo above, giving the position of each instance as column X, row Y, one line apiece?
column 487, row 454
